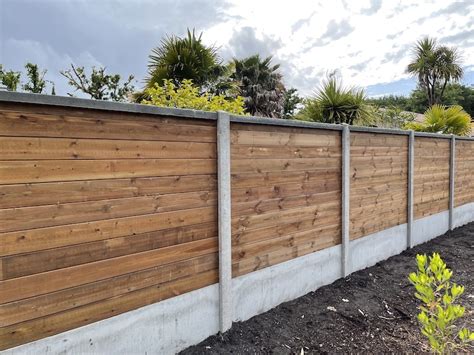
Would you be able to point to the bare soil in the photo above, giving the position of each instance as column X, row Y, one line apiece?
column 372, row 310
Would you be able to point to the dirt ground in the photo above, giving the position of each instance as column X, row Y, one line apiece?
column 372, row 310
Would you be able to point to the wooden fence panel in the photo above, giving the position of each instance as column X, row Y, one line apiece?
column 100, row 213
column 464, row 175
column 379, row 180
column 286, row 194
column 431, row 176
column 105, row 212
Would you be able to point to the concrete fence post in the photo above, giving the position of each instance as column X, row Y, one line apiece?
column 452, row 170
column 411, row 168
column 345, row 193
column 224, row 221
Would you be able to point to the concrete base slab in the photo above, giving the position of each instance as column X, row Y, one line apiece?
column 427, row 228
column 369, row 250
column 463, row 214
column 265, row 289
column 161, row 328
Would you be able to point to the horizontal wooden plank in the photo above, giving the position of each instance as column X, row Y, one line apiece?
column 285, row 203
column 393, row 172
column 328, row 233
column 250, row 236
column 23, row 218
column 284, row 138
column 15, row 172
column 51, row 281
column 283, row 177
column 112, row 126
column 31, row 148
column 359, row 231
column 368, row 151
column 284, row 190
column 377, row 140
column 278, row 165
column 57, row 258
column 39, row 328
column 282, row 129
column 34, row 194
column 370, row 200
column 283, row 152
column 282, row 254
column 44, row 305
column 330, row 210
column 59, row 236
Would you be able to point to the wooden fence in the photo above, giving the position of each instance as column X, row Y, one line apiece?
column 103, row 211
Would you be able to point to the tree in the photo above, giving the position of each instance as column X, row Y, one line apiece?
column 99, row 85
column 189, row 58
column 434, row 66
column 11, row 79
column 442, row 119
column 260, row 85
column 334, row 103
column 36, row 82
column 291, row 99
column 455, row 94
column 187, row 95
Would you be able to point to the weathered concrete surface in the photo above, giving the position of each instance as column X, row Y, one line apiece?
column 427, row 228
column 161, row 328
column 369, row 250
column 224, row 213
column 463, row 214
column 264, row 289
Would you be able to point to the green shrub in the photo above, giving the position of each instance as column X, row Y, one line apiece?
column 439, row 312
column 187, row 95
column 447, row 120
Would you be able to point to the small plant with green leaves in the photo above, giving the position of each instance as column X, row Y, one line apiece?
column 187, row 95
column 439, row 311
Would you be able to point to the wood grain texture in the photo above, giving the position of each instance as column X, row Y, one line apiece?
column 464, row 177
column 100, row 213
column 379, row 180
column 286, row 191
column 431, row 176
column 37, row 194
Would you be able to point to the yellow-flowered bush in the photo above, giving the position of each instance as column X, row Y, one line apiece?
column 187, row 95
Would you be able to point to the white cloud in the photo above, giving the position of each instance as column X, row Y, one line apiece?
column 367, row 41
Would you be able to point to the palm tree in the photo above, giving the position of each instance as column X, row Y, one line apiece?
column 261, row 85
column 435, row 66
column 334, row 103
column 442, row 119
column 184, row 58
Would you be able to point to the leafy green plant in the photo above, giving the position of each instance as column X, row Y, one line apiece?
column 439, row 312
column 441, row 119
column 291, row 100
column 187, row 95
column 99, row 85
column 10, row 78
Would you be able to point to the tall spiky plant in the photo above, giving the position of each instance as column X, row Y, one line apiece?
column 188, row 58
column 334, row 103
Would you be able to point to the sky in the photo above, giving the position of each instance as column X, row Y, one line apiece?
column 368, row 42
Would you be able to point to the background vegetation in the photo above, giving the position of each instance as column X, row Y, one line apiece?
column 185, row 72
